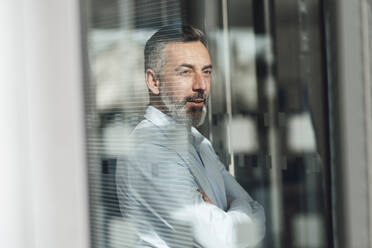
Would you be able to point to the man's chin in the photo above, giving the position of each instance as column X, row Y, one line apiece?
column 197, row 115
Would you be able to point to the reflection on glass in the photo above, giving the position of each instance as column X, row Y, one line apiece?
column 171, row 184
column 266, row 118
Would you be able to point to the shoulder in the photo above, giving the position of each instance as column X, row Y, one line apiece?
column 145, row 131
column 151, row 143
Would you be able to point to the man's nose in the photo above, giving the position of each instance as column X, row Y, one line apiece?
column 199, row 83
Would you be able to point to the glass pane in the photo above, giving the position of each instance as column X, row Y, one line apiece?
column 266, row 121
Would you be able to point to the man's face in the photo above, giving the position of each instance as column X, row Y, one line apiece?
column 185, row 81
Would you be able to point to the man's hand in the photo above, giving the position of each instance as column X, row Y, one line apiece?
column 205, row 197
column 229, row 200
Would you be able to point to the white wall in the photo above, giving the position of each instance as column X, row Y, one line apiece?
column 43, row 178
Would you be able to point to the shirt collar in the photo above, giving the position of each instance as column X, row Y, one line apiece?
column 158, row 118
column 166, row 123
column 197, row 138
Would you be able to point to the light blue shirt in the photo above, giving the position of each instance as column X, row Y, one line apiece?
column 157, row 182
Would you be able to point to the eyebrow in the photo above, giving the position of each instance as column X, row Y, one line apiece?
column 192, row 67
column 207, row 67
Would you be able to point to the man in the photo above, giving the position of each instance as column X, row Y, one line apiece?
column 171, row 184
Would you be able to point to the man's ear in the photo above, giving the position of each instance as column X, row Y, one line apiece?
column 152, row 81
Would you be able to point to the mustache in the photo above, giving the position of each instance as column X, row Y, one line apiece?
column 197, row 96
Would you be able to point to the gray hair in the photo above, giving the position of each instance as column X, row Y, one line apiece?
column 154, row 58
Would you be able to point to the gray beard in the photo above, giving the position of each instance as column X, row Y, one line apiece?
column 178, row 111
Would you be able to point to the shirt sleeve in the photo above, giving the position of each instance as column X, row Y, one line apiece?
column 244, row 221
column 248, row 215
column 156, row 188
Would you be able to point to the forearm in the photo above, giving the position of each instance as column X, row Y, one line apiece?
column 236, row 228
column 248, row 215
column 248, row 220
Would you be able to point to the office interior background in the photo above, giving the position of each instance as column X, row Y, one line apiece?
column 290, row 113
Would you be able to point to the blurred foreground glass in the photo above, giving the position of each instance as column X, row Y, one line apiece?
column 267, row 116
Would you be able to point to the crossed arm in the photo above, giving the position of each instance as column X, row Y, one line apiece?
column 243, row 223
column 206, row 198
column 161, row 193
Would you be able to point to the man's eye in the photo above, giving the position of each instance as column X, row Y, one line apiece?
column 209, row 72
column 185, row 72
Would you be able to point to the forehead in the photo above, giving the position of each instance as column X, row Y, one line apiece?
column 193, row 52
